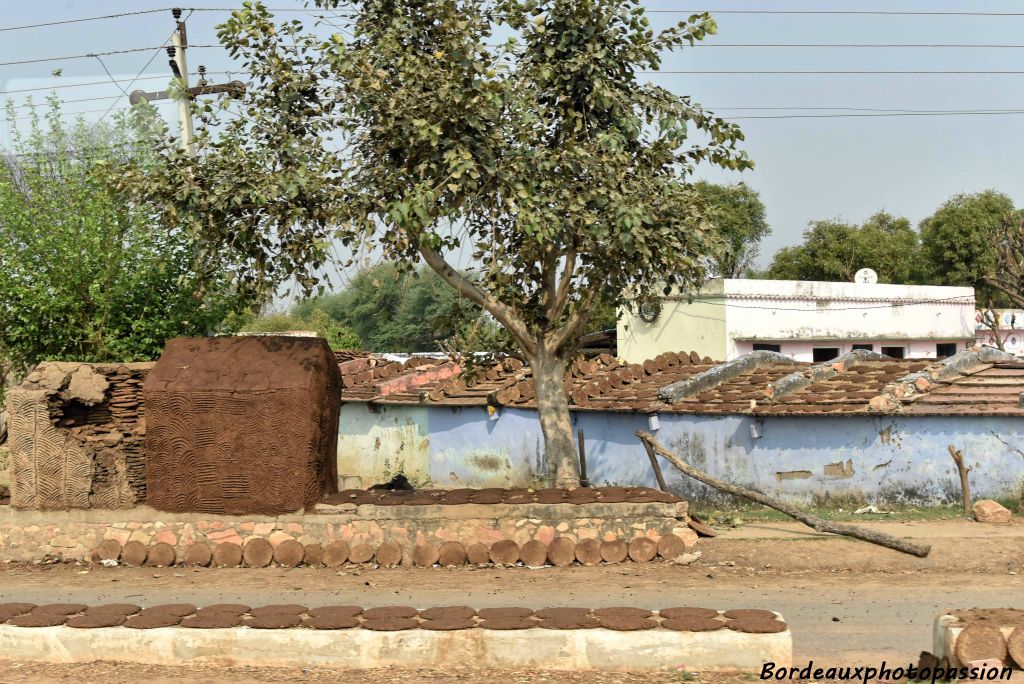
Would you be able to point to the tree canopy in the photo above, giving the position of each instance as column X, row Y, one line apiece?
column 958, row 242
column 833, row 250
column 83, row 275
column 522, row 129
column 737, row 213
column 397, row 310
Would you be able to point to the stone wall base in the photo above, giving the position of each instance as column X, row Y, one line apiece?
column 654, row 649
column 73, row 535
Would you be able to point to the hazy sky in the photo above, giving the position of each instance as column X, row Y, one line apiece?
column 807, row 168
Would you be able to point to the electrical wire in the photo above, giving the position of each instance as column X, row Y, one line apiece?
column 88, row 55
column 92, row 83
column 851, row 72
column 77, row 21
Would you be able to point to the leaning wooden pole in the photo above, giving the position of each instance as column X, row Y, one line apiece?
column 811, row 521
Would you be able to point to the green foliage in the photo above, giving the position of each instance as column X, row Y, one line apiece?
column 959, row 241
column 318, row 321
column 738, row 214
column 396, row 310
column 835, row 251
column 82, row 275
column 547, row 154
column 550, row 155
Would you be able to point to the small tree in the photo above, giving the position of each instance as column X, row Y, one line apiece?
column 549, row 154
column 83, row 276
column 1006, row 272
column 737, row 213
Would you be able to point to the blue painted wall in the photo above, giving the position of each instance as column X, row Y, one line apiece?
column 801, row 459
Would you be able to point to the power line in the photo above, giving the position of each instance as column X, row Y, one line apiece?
column 92, row 83
column 994, row 112
column 844, row 12
column 859, row 45
column 852, row 72
column 76, row 21
column 88, row 55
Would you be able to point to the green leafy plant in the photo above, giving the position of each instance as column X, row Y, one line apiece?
column 83, row 274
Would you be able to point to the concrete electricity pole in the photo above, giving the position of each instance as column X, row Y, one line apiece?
column 179, row 67
column 180, row 41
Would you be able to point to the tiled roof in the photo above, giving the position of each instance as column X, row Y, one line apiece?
column 990, row 389
column 978, row 382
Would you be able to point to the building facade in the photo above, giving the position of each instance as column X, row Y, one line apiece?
column 806, row 321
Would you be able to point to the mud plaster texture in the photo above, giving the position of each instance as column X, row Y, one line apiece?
column 30, row 536
column 241, row 425
column 76, row 437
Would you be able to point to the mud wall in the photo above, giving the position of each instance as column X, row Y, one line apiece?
column 803, row 459
column 241, row 425
column 76, row 436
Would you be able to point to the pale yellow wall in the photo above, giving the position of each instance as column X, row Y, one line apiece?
column 681, row 327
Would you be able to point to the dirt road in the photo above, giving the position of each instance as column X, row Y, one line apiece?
column 846, row 602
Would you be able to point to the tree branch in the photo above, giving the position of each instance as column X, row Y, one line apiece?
column 880, row 538
column 564, row 286
column 577, row 318
column 464, row 286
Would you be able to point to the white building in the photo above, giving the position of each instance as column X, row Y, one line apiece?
column 807, row 321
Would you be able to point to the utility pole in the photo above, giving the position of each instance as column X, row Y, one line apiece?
column 179, row 67
column 180, row 41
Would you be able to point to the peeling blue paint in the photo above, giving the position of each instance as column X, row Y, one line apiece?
column 894, row 459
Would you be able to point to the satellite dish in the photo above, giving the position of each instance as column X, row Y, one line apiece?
column 866, row 276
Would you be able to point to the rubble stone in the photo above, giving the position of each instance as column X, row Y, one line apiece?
column 988, row 511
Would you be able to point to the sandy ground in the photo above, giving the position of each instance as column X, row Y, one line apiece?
column 847, row 602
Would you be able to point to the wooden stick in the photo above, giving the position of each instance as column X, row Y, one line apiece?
column 965, row 485
column 583, row 459
column 811, row 521
column 656, row 467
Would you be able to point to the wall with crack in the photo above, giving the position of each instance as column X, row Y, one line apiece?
column 76, row 437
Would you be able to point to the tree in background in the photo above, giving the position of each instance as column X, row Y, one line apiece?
column 738, row 214
column 958, row 242
column 84, row 276
column 835, row 251
column 563, row 167
column 337, row 335
column 396, row 310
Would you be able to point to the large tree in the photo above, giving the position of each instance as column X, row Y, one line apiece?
column 525, row 129
column 835, row 251
column 958, row 242
column 84, row 276
column 738, row 215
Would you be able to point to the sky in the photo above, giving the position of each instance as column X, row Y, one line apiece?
column 806, row 168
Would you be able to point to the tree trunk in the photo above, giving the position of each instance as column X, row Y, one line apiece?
column 553, row 410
